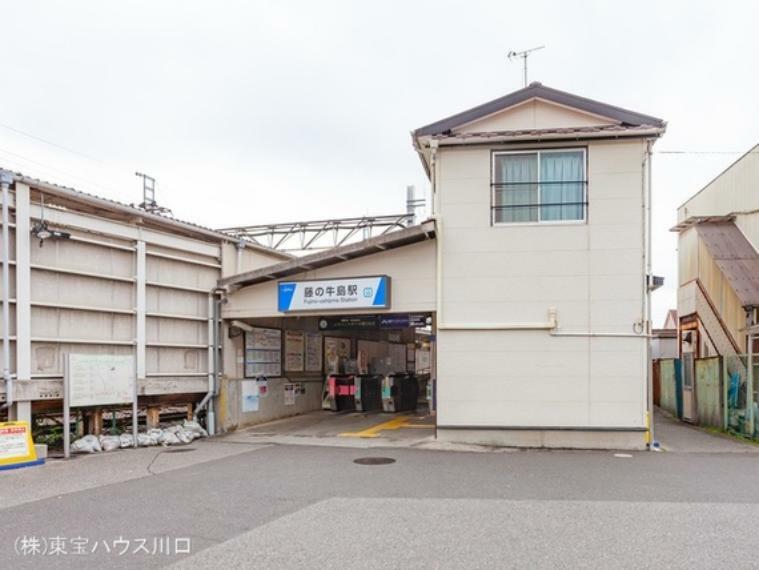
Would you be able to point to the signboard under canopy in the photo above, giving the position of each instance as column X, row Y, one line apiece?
column 343, row 293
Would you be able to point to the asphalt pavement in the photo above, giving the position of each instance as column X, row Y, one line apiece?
column 239, row 502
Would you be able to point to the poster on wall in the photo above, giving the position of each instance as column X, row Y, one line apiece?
column 289, row 394
column 398, row 357
column 249, row 395
column 263, row 353
column 294, row 351
column 410, row 357
column 423, row 363
column 313, row 352
column 335, row 349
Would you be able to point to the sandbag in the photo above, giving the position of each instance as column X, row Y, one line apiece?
column 109, row 442
column 185, row 436
column 146, row 440
column 168, row 438
column 126, row 440
column 86, row 444
column 195, row 428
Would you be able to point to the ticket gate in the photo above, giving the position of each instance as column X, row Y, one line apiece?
column 399, row 392
column 368, row 393
column 339, row 393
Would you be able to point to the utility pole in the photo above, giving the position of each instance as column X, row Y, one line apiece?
column 523, row 54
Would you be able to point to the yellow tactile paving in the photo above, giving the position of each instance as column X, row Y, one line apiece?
column 374, row 431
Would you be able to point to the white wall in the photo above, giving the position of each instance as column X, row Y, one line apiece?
column 411, row 269
column 591, row 272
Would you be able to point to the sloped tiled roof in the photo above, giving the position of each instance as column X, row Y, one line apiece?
column 537, row 90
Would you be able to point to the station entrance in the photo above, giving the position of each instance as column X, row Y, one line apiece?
column 364, row 376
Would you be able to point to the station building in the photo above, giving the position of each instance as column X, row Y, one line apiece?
column 521, row 305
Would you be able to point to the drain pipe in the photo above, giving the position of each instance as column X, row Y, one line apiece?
column 5, row 181
column 214, row 306
column 652, row 443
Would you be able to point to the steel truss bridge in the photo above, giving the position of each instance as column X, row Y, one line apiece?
column 316, row 235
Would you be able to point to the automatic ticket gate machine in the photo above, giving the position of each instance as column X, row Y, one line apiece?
column 399, row 392
column 368, row 393
column 339, row 393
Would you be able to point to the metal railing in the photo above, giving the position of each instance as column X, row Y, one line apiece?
column 537, row 211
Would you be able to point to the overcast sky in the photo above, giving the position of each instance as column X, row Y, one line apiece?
column 250, row 112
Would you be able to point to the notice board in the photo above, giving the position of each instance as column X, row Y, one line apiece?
column 100, row 379
column 263, row 352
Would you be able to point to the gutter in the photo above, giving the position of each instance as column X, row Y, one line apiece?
column 453, row 140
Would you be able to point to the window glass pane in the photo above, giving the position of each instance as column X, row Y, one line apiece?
column 516, row 189
column 562, row 176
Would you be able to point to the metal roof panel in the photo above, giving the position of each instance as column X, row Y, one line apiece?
column 736, row 258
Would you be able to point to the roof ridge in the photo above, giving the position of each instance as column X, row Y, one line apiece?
column 538, row 90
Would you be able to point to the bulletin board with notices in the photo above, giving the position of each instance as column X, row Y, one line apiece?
column 263, row 353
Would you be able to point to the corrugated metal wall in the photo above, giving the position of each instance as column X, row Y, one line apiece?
column 695, row 262
column 668, row 396
column 732, row 191
column 709, row 391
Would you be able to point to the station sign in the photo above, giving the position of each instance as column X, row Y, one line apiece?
column 345, row 293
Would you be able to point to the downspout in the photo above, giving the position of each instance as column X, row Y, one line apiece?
column 214, row 306
column 647, row 315
column 5, row 181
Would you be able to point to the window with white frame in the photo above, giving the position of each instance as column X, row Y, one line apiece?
column 539, row 186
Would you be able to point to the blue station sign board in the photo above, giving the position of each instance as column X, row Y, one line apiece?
column 343, row 293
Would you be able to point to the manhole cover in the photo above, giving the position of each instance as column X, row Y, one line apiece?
column 374, row 460
column 179, row 450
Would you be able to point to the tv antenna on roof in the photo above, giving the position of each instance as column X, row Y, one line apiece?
column 148, row 196
column 523, row 54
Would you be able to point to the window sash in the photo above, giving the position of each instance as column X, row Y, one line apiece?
column 539, row 186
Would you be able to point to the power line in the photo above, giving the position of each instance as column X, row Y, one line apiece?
column 704, row 152
column 90, row 183
column 56, row 145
